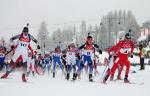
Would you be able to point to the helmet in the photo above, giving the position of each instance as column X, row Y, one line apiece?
column 127, row 36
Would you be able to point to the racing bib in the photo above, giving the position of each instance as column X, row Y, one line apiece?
column 88, row 52
column 125, row 50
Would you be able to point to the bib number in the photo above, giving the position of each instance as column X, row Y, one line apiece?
column 23, row 45
column 88, row 53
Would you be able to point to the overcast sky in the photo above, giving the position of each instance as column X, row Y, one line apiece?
column 14, row 14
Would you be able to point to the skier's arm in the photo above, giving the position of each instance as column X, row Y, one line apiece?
column 33, row 39
column 15, row 37
column 97, row 48
column 81, row 47
column 116, row 47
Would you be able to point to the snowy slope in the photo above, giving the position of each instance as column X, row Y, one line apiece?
column 47, row 86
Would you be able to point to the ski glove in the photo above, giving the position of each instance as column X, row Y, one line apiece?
column 38, row 46
column 12, row 47
column 100, row 51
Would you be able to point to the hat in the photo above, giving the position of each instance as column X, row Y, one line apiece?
column 25, row 29
column 127, row 36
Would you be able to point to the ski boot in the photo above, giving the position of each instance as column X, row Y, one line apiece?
column 112, row 77
column 74, row 76
column 33, row 73
column 24, row 78
column 90, row 78
column 5, row 75
column 119, row 77
column 68, row 75
column 53, row 74
column 126, row 79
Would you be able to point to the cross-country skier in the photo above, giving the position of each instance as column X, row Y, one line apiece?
column 89, row 49
column 56, row 58
column 71, row 57
column 2, row 57
column 31, row 63
column 21, row 51
column 112, row 57
column 47, row 62
column 123, row 48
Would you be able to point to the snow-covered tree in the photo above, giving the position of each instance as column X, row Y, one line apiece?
column 115, row 22
column 43, row 36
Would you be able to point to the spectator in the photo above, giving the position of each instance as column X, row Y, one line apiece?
column 142, row 55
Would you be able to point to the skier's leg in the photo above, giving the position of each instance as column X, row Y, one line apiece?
column 90, row 72
column 120, row 68
column 33, row 64
column 78, row 70
column 110, row 65
column 24, row 72
column 54, row 68
column 28, row 67
column 127, row 64
column 110, row 72
column 60, row 65
column 48, row 66
column 68, row 71
column 44, row 68
column 74, row 68
column 13, row 65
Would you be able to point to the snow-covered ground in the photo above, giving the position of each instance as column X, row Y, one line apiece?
column 47, row 86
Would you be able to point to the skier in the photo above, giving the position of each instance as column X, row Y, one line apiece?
column 21, row 51
column 2, row 57
column 112, row 57
column 56, row 57
column 89, row 49
column 30, row 63
column 47, row 62
column 40, row 59
column 123, row 48
column 71, row 60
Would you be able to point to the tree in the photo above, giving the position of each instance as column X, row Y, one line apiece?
column 43, row 36
column 115, row 22
column 83, row 31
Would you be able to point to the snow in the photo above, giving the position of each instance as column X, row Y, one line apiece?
column 47, row 86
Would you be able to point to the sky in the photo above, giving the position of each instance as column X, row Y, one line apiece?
column 14, row 14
